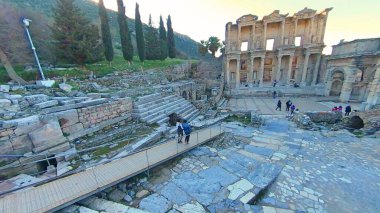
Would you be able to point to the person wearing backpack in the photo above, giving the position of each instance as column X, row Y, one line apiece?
column 186, row 130
column 179, row 130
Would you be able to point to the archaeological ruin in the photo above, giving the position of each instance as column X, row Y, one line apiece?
column 111, row 144
column 288, row 50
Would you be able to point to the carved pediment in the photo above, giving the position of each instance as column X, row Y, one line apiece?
column 305, row 13
column 246, row 18
column 275, row 16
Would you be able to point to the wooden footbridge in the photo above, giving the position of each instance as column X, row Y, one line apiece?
column 65, row 191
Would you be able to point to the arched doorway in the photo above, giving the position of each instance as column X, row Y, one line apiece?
column 337, row 83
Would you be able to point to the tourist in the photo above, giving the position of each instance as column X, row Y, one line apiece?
column 186, row 130
column 179, row 130
column 288, row 104
column 274, row 94
column 347, row 110
column 335, row 108
column 278, row 105
column 340, row 108
column 274, row 83
column 292, row 108
column 296, row 85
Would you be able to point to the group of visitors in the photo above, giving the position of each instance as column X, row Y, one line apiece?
column 340, row 108
column 183, row 128
column 289, row 106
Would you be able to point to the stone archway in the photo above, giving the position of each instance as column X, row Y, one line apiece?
column 337, row 83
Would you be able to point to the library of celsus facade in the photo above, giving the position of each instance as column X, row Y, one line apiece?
column 279, row 47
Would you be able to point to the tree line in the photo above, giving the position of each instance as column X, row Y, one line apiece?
column 78, row 41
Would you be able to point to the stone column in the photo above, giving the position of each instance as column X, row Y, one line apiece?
column 253, row 37
column 265, row 36
column 227, row 74
column 238, row 38
column 250, row 70
column 316, row 68
column 282, row 32
column 278, row 73
column 238, row 73
column 310, row 34
column 304, row 70
column 295, row 30
column 261, row 71
column 290, row 68
column 228, row 41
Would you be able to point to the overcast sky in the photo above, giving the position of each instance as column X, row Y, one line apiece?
column 200, row 19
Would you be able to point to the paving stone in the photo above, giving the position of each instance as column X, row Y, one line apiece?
column 218, row 175
column 259, row 150
column 194, row 207
column 155, row 203
column 247, row 197
column 174, row 194
column 264, row 174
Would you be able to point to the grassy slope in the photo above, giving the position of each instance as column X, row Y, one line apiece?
column 99, row 69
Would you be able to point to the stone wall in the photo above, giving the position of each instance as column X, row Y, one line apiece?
column 51, row 133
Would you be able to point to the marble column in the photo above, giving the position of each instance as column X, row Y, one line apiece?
column 290, row 68
column 282, row 32
column 316, row 69
column 250, row 70
column 265, row 36
column 261, row 71
column 228, row 72
column 304, row 70
column 278, row 73
column 238, row 73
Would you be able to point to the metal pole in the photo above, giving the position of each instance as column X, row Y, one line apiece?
column 197, row 138
column 147, row 160
column 35, row 54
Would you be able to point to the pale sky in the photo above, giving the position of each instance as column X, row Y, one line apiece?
column 200, row 19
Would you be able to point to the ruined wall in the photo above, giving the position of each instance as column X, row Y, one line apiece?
column 51, row 133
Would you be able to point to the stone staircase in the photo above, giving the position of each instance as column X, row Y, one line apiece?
column 155, row 108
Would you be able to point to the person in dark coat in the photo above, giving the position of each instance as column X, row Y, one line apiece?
column 347, row 110
column 288, row 104
column 278, row 105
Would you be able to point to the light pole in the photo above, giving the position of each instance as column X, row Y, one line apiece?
column 26, row 25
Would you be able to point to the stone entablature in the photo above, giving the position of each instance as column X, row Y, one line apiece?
column 278, row 47
column 357, row 47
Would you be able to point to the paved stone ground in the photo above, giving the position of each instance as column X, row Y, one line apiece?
column 310, row 171
column 266, row 105
column 275, row 169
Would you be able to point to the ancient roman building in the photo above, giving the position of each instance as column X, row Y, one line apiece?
column 278, row 47
column 353, row 71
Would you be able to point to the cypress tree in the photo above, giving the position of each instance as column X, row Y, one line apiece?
column 139, row 34
column 171, row 42
column 163, row 40
column 125, row 36
column 75, row 39
column 106, row 33
column 152, row 44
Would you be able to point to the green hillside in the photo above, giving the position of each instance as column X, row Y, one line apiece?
column 186, row 47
